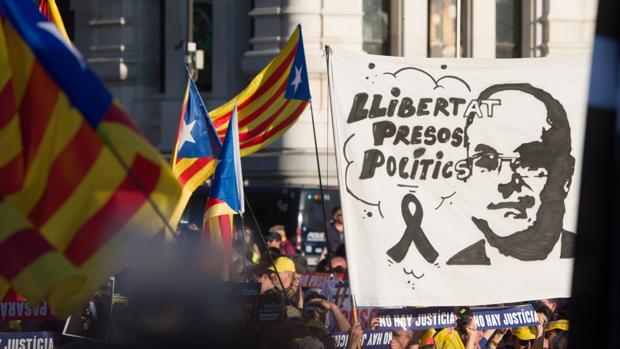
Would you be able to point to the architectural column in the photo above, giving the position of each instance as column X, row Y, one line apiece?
column 334, row 23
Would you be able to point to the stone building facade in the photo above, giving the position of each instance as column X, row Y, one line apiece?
column 138, row 48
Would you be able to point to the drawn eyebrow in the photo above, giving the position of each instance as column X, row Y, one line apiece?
column 485, row 149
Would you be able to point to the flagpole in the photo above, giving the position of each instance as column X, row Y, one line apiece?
column 318, row 167
column 245, row 275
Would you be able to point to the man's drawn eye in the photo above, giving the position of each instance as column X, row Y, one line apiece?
column 542, row 173
column 488, row 161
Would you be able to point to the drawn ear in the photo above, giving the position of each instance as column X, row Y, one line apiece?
column 567, row 185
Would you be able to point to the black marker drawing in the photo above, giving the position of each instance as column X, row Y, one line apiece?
column 443, row 198
column 413, row 233
column 346, row 176
column 546, row 159
column 412, row 273
column 436, row 81
column 407, row 186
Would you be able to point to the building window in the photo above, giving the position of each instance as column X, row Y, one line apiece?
column 448, row 21
column 376, row 27
column 508, row 14
column 203, row 37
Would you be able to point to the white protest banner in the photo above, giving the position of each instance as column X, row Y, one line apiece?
column 459, row 178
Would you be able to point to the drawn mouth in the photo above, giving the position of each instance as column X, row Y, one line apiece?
column 519, row 207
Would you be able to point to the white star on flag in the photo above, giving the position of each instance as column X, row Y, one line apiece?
column 297, row 79
column 186, row 133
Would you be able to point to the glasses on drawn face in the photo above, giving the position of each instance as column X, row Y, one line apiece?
column 495, row 162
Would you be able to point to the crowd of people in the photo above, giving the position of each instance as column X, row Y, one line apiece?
column 310, row 318
column 176, row 302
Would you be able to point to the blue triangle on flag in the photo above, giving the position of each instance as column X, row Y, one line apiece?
column 225, row 181
column 297, row 86
column 197, row 135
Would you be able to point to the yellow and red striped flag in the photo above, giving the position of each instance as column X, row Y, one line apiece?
column 273, row 100
column 84, row 186
column 225, row 196
column 196, row 149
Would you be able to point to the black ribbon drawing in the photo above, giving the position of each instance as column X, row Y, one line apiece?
column 413, row 233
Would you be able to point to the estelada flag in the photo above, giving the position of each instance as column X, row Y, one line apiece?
column 49, row 9
column 196, row 149
column 226, row 194
column 80, row 188
column 273, row 100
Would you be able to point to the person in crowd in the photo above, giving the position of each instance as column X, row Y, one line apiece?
column 317, row 308
column 466, row 327
column 493, row 338
column 337, row 264
column 552, row 329
column 335, row 231
column 308, row 342
column 402, row 339
column 448, row 338
column 274, row 241
column 355, row 336
column 281, row 277
column 286, row 246
column 243, row 242
column 525, row 335
column 560, row 341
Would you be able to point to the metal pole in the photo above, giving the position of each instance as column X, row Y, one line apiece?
column 458, row 28
column 318, row 167
column 245, row 275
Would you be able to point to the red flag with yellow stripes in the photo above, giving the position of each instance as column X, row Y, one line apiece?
column 273, row 100
column 83, row 185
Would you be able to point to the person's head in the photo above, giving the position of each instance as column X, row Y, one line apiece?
column 337, row 214
column 400, row 339
column 521, row 166
column 273, row 240
column 285, row 268
column 525, row 336
column 248, row 235
column 553, row 328
column 466, row 327
column 545, row 309
column 261, row 275
column 313, row 309
column 338, row 264
column 278, row 229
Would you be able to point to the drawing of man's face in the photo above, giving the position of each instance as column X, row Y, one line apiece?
column 521, row 164
column 511, row 186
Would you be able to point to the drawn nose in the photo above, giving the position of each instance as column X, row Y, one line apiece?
column 515, row 184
